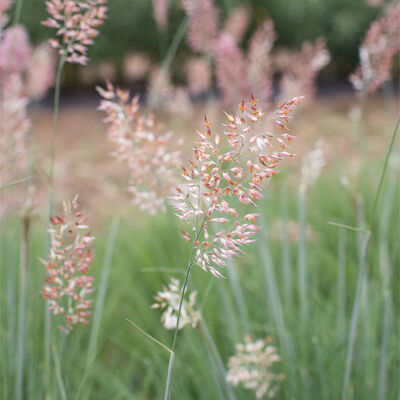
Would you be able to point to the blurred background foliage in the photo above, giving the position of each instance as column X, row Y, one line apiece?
column 130, row 27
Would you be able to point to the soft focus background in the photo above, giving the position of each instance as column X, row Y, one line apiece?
column 260, row 295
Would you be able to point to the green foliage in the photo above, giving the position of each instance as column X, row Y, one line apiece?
column 251, row 300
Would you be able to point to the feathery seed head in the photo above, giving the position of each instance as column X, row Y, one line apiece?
column 67, row 284
column 77, row 25
column 253, row 367
column 168, row 300
column 221, row 175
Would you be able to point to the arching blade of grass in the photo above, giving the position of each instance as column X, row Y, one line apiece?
column 285, row 248
column 274, row 299
column 151, row 337
column 18, row 182
column 384, row 263
column 60, row 382
column 341, row 283
column 237, row 291
column 214, row 351
column 20, row 354
column 302, row 262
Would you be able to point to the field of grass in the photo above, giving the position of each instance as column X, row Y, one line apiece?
column 295, row 287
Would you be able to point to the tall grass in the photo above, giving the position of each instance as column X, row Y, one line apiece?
column 126, row 365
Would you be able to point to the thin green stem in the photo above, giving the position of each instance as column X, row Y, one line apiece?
column 355, row 313
column 54, row 132
column 19, row 181
column 60, row 382
column 24, row 260
column 150, row 337
column 172, row 356
column 302, row 266
column 18, row 10
column 378, row 192
column 348, row 227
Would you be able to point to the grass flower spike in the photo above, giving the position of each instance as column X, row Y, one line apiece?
column 203, row 24
column 152, row 159
column 252, row 366
column 312, row 166
column 168, row 301
column 14, row 126
column 76, row 23
column 380, row 45
column 221, row 176
column 67, row 284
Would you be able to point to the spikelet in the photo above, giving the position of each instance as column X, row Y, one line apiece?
column 160, row 13
column 67, row 283
column 77, row 25
column 220, row 175
column 377, row 51
column 230, row 70
column 301, row 75
column 237, row 23
column 253, row 367
column 152, row 159
column 203, row 24
column 259, row 70
column 14, row 126
column 168, row 300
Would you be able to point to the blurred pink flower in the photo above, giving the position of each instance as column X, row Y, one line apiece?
column 259, row 68
column 76, row 24
column 237, row 23
column 203, row 25
column 40, row 74
column 253, row 367
column 198, row 71
column 378, row 48
column 15, row 50
column 14, row 125
column 67, row 283
column 4, row 6
column 152, row 159
column 136, row 66
column 230, row 70
column 302, row 72
column 218, row 173
column 160, row 13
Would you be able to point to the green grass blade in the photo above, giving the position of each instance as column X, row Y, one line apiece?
column 60, row 382
column 105, row 273
column 18, row 182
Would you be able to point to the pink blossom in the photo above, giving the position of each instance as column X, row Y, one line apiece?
column 303, row 69
column 14, row 125
column 67, row 284
column 378, row 48
column 15, row 50
column 77, row 25
column 4, row 6
column 199, row 75
column 151, row 158
column 160, row 12
column 219, row 173
column 203, row 25
column 237, row 23
column 230, row 70
column 259, row 70
column 40, row 74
